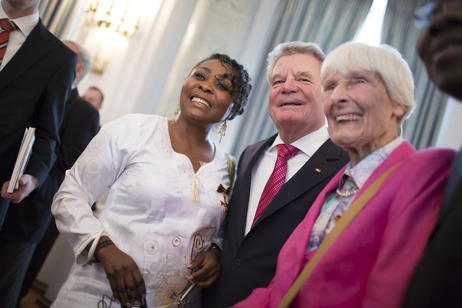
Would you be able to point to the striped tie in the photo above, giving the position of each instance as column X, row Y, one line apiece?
column 277, row 178
column 7, row 26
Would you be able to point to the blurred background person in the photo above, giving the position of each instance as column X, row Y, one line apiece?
column 261, row 218
column 167, row 197
column 94, row 96
column 31, row 221
column 367, row 94
column 437, row 281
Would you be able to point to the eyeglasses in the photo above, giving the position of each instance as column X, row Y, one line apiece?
column 422, row 16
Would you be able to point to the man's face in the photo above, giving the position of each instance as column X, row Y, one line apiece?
column 295, row 94
column 20, row 8
column 440, row 47
column 93, row 97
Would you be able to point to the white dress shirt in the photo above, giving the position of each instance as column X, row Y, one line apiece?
column 17, row 38
column 262, row 170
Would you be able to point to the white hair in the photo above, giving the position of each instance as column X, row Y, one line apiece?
column 384, row 60
column 292, row 48
column 84, row 57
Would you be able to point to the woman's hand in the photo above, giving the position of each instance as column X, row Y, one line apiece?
column 209, row 268
column 126, row 281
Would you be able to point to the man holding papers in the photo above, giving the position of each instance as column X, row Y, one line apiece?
column 36, row 73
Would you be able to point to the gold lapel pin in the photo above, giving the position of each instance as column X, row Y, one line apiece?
column 318, row 170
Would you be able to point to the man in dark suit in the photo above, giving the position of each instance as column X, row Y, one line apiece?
column 252, row 242
column 437, row 281
column 27, row 222
column 36, row 74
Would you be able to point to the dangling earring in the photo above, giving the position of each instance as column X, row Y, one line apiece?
column 175, row 113
column 222, row 131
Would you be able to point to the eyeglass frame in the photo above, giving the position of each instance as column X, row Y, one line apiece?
column 422, row 15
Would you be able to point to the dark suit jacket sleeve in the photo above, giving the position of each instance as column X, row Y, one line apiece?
column 437, row 281
column 28, row 220
column 49, row 116
column 80, row 125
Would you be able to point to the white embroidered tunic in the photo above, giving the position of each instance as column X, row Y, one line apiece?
column 150, row 212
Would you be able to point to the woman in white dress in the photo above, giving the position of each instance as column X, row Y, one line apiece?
column 167, row 199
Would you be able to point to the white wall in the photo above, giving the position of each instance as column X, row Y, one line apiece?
column 136, row 73
column 449, row 135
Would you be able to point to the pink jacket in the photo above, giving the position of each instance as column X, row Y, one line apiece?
column 372, row 261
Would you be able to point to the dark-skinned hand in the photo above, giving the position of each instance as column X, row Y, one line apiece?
column 208, row 266
column 123, row 274
column 27, row 183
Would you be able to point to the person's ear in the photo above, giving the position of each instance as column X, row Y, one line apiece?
column 79, row 70
column 398, row 111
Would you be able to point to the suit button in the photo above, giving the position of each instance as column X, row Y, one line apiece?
column 237, row 263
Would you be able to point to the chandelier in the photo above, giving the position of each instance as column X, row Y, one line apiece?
column 113, row 20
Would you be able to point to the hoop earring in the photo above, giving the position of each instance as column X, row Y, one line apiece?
column 222, row 130
column 175, row 113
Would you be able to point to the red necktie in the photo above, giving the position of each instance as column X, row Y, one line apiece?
column 277, row 178
column 7, row 27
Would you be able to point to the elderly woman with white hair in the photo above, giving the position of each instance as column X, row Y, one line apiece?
column 366, row 231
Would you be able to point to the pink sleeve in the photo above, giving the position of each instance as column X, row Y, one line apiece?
column 259, row 298
column 411, row 218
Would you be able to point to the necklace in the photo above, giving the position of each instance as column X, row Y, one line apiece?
column 192, row 176
column 347, row 193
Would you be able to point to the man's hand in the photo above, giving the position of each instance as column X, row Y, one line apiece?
column 209, row 268
column 124, row 276
column 27, row 183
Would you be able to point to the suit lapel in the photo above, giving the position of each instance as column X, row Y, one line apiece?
column 72, row 97
column 36, row 46
column 241, row 201
column 306, row 178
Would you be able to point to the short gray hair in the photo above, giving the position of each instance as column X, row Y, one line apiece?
column 384, row 60
column 83, row 57
column 292, row 48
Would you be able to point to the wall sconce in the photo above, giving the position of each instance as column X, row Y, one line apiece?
column 115, row 20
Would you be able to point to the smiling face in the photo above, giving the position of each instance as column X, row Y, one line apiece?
column 205, row 95
column 440, row 47
column 295, row 96
column 362, row 117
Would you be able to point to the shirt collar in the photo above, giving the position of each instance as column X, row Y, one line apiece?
column 308, row 144
column 25, row 23
column 361, row 172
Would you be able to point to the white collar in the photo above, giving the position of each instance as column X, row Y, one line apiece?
column 25, row 23
column 307, row 144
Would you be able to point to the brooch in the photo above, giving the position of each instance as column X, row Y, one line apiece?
column 225, row 192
